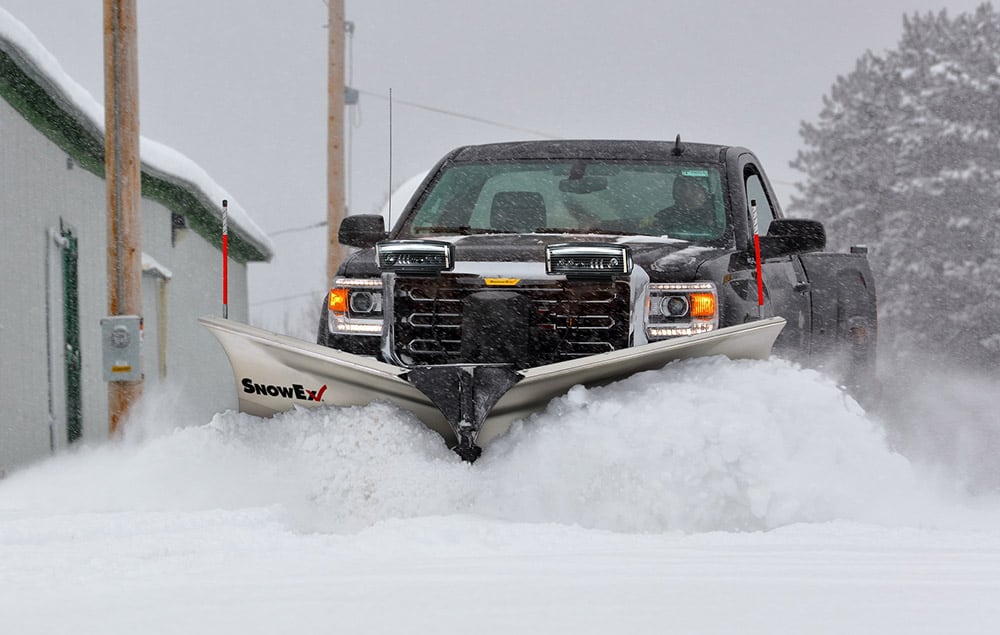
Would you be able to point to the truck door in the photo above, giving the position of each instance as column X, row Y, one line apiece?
column 786, row 288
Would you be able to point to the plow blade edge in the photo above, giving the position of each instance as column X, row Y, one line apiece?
column 274, row 373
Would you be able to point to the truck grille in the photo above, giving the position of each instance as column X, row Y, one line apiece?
column 570, row 318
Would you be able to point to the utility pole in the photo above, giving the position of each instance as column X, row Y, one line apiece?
column 122, row 174
column 335, row 140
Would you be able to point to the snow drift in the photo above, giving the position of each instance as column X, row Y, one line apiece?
column 702, row 445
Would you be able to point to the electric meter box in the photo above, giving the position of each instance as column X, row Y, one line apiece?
column 121, row 341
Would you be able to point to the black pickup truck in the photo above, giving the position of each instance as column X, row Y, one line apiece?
column 529, row 253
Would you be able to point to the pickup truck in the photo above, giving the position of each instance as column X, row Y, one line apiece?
column 531, row 253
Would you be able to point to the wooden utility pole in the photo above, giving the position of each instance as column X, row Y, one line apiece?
column 122, row 174
column 335, row 140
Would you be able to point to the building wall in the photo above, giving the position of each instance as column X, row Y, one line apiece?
column 40, row 188
column 198, row 376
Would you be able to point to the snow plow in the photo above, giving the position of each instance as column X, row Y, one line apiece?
column 518, row 270
column 468, row 404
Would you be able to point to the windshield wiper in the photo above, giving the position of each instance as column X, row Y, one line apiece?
column 463, row 230
column 596, row 230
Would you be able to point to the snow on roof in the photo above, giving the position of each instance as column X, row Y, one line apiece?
column 156, row 157
column 152, row 266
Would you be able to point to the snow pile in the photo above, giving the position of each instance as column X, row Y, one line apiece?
column 707, row 445
column 703, row 445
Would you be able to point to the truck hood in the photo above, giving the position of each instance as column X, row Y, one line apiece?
column 662, row 258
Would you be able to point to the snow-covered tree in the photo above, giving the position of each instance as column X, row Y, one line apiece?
column 905, row 157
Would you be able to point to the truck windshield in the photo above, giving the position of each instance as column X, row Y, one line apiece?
column 682, row 201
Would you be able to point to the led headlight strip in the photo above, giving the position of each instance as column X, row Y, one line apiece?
column 415, row 256
column 588, row 259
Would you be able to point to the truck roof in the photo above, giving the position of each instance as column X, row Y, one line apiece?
column 590, row 149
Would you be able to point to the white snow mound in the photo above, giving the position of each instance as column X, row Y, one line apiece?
column 702, row 445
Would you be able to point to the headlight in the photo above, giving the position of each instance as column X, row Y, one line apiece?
column 675, row 305
column 356, row 306
column 681, row 308
column 365, row 301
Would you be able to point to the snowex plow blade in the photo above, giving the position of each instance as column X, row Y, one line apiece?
column 468, row 404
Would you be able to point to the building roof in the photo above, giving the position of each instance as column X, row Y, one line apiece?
column 34, row 83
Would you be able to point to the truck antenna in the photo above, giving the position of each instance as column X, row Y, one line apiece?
column 389, row 220
column 678, row 147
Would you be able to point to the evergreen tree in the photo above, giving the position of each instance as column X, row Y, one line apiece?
column 905, row 157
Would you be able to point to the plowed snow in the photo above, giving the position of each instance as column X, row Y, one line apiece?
column 710, row 496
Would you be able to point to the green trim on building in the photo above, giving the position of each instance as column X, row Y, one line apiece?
column 202, row 221
column 37, row 106
column 73, row 360
column 86, row 148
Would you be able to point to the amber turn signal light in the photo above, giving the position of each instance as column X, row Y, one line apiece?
column 702, row 304
column 338, row 300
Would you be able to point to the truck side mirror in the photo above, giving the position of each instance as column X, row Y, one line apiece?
column 362, row 230
column 787, row 236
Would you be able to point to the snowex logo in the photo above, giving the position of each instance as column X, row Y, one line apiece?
column 295, row 391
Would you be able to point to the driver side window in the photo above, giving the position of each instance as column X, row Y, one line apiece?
column 755, row 192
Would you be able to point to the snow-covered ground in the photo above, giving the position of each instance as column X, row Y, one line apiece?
column 708, row 497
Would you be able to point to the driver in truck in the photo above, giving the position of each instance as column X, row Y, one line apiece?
column 692, row 208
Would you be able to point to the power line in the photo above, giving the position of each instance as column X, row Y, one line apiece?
column 321, row 223
column 452, row 113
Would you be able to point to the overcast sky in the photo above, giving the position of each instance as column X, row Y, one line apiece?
column 239, row 86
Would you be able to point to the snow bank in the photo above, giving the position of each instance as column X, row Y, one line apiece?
column 703, row 445
column 708, row 445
